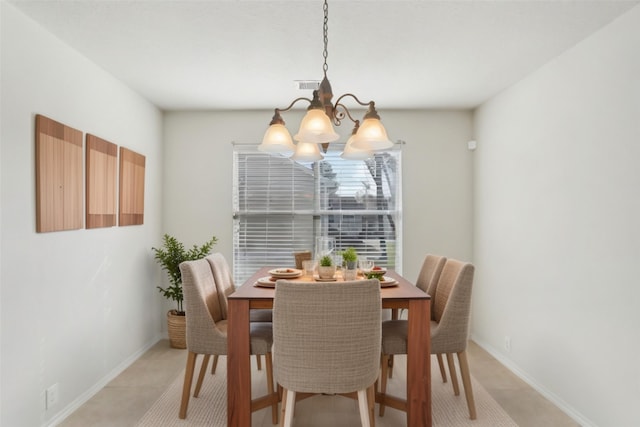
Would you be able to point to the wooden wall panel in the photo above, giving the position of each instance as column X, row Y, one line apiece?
column 132, row 166
column 101, row 189
column 58, row 176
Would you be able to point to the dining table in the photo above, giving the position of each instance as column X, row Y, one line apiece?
column 402, row 295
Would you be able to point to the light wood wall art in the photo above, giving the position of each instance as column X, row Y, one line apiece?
column 132, row 166
column 58, row 176
column 101, row 188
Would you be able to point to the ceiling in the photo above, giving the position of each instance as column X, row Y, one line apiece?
column 238, row 54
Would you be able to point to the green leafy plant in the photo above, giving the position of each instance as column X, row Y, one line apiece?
column 169, row 256
column 326, row 261
column 350, row 255
column 375, row 275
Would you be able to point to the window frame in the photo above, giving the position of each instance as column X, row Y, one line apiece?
column 312, row 216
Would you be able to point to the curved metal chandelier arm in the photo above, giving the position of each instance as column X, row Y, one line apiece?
column 340, row 111
column 339, row 115
column 277, row 118
column 293, row 103
column 364, row 104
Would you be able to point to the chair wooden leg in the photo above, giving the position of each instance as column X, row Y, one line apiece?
column 466, row 382
column 270, row 390
column 371, row 399
column 215, row 364
column 383, row 380
column 283, row 404
column 259, row 362
column 364, row 408
column 186, row 388
column 289, row 408
column 452, row 373
column 443, row 373
column 394, row 316
column 203, row 370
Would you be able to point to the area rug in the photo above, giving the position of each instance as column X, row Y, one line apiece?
column 209, row 409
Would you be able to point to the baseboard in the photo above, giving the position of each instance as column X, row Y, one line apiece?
column 84, row 397
column 552, row 397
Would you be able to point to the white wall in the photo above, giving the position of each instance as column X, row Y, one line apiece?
column 557, row 237
column 76, row 306
column 437, row 177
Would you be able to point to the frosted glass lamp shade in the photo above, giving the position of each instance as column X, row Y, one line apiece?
column 316, row 128
column 352, row 153
column 307, row 152
column 277, row 139
column 372, row 136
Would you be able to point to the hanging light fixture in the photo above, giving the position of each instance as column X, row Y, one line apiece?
column 317, row 125
column 353, row 153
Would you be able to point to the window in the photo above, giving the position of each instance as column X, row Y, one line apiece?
column 281, row 206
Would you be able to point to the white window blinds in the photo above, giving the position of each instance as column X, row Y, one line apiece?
column 281, row 206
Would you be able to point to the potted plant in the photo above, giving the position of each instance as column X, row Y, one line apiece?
column 350, row 258
column 326, row 269
column 169, row 256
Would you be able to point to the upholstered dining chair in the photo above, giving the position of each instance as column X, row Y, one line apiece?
column 449, row 327
column 430, row 274
column 300, row 257
column 326, row 338
column 224, row 282
column 427, row 281
column 207, row 329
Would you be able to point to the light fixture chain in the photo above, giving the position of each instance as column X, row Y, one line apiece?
column 325, row 30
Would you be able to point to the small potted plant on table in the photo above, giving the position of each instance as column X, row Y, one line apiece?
column 326, row 269
column 350, row 258
column 349, row 262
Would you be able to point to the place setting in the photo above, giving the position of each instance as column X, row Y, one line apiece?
column 369, row 270
column 276, row 274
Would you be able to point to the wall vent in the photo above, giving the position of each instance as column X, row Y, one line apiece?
column 307, row 84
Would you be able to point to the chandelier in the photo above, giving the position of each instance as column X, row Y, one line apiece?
column 317, row 125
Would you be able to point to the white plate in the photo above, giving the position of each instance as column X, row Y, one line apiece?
column 285, row 273
column 387, row 281
column 266, row 282
column 317, row 279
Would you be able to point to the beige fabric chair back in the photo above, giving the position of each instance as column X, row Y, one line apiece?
column 452, row 308
column 429, row 276
column 430, row 273
column 224, row 282
column 326, row 336
column 223, row 278
column 301, row 256
column 206, row 328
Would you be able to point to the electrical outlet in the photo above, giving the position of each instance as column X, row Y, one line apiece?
column 507, row 343
column 52, row 396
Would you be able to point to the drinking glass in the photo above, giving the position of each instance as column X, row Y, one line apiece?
column 309, row 267
column 350, row 274
column 366, row 265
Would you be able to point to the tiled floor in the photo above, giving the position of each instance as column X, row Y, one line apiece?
column 126, row 399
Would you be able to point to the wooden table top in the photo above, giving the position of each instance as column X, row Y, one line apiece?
column 403, row 291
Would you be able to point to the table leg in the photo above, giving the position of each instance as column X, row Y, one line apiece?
column 238, row 364
column 419, row 363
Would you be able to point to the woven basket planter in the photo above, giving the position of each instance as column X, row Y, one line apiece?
column 177, row 329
